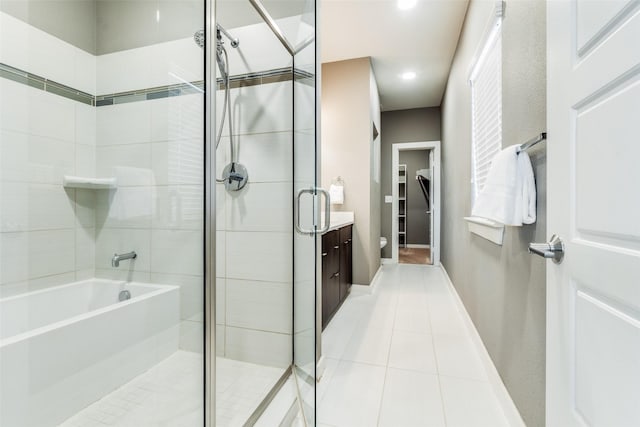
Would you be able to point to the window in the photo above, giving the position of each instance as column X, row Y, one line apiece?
column 486, row 108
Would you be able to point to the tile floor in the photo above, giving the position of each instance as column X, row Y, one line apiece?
column 170, row 394
column 403, row 357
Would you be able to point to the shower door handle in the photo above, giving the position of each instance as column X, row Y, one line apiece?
column 327, row 211
column 314, row 191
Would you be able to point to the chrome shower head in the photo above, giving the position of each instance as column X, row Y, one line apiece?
column 198, row 37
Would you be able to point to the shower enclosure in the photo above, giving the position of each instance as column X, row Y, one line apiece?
column 140, row 283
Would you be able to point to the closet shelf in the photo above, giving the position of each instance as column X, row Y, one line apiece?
column 70, row 181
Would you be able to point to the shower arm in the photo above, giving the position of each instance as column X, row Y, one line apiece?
column 234, row 40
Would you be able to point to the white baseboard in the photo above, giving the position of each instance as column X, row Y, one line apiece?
column 417, row 246
column 509, row 408
column 386, row 261
column 320, row 367
column 366, row 289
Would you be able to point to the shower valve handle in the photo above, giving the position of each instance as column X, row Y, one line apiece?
column 235, row 177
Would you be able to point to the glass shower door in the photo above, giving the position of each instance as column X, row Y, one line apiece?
column 306, row 178
column 101, row 213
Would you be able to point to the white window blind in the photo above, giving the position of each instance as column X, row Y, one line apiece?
column 486, row 106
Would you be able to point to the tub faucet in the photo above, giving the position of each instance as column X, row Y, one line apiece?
column 115, row 261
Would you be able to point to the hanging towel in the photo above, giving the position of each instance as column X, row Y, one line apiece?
column 509, row 193
column 337, row 194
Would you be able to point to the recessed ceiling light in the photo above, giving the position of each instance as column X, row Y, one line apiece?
column 409, row 75
column 406, row 4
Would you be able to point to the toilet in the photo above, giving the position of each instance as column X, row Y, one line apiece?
column 383, row 242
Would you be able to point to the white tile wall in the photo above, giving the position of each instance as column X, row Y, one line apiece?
column 191, row 334
column 191, row 292
column 46, row 232
column 151, row 66
column 254, row 249
column 267, row 156
column 250, row 210
column 259, row 305
column 178, row 207
column 156, row 154
column 123, row 124
column 85, row 249
column 155, row 150
column 261, row 108
column 177, row 162
column 264, row 348
column 259, row 256
column 28, row 48
column 177, row 251
column 35, row 159
column 127, row 207
column 40, row 283
column 176, row 119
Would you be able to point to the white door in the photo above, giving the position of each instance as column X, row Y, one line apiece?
column 593, row 296
column 430, row 207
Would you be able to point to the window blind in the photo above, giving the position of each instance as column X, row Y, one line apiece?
column 486, row 105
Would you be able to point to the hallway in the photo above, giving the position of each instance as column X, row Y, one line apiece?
column 414, row 256
column 403, row 356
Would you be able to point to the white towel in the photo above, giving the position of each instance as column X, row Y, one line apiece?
column 509, row 193
column 336, row 192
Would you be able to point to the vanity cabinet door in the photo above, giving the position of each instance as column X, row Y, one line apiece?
column 330, row 274
column 345, row 261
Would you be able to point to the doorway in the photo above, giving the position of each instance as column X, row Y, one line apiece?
column 415, row 201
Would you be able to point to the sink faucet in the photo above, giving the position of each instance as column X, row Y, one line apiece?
column 115, row 261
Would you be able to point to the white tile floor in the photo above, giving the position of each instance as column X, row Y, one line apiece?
column 402, row 357
column 170, row 394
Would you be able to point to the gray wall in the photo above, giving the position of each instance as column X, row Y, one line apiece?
column 502, row 287
column 418, row 124
column 349, row 104
column 126, row 25
column 106, row 26
column 73, row 21
column 418, row 230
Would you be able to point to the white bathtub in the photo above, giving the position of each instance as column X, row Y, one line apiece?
column 65, row 347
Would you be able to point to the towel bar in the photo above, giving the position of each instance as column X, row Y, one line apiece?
column 538, row 139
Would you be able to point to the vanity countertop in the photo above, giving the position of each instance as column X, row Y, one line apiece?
column 339, row 220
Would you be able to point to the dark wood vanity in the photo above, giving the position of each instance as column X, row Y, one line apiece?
column 337, row 267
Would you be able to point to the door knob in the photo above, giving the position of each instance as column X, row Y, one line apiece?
column 553, row 250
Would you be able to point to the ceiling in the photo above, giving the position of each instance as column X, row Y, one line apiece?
column 422, row 40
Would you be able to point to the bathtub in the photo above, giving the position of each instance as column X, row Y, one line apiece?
column 65, row 347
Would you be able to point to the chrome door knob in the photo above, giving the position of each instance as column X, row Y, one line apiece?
column 553, row 250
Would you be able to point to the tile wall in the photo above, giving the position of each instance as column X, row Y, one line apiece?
column 51, row 235
column 155, row 149
column 46, row 231
column 254, row 225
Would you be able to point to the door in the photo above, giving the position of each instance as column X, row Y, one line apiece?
column 330, row 274
column 306, row 246
column 102, row 283
column 593, row 296
column 345, row 234
column 430, row 207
